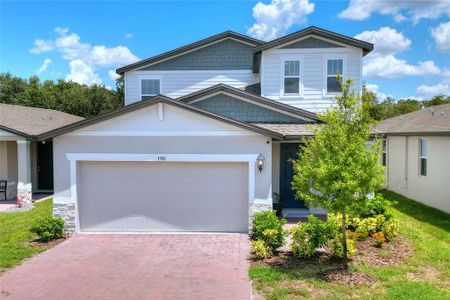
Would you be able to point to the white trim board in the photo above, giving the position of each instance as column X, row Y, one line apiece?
column 250, row 159
column 162, row 133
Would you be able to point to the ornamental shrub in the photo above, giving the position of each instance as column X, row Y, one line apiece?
column 267, row 227
column 307, row 236
column 378, row 205
column 260, row 250
column 379, row 238
column 337, row 248
column 49, row 228
column 301, row 245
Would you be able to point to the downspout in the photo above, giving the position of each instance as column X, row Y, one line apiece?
column 406, row 162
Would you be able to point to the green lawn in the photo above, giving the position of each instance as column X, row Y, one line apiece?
column 15, row 234
column 425, row 275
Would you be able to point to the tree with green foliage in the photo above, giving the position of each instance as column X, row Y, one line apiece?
column 67, row 96
column 336, row 169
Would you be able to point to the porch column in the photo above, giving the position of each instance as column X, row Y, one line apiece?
column 23, row 173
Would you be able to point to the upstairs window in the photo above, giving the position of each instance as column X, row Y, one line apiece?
column 335, row 67
column 150, row 88
column 423, row 156
column 291, row 77
column 384, row 154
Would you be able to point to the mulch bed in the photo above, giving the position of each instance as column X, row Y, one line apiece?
column 46, row 245
column 330, row 269
column 350, row 277
column 392, row 253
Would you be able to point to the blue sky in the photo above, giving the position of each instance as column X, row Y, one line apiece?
column 85, row 41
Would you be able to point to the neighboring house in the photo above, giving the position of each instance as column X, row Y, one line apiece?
column 416, row 153
column 206, row 136
column 26, row 164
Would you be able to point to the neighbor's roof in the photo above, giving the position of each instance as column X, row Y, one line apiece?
column 31, row 121
column 189, row 47
column 156, row 99
column 434, row 120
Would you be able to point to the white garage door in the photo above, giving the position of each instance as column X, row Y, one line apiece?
column 163, row 196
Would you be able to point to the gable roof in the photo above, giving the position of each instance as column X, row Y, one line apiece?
column 313, row 30
column 434, row 120
column 145, row 103
column 178, row 51
column 302, row 114
column 31, row 121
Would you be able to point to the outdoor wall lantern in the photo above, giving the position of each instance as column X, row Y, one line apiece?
column 260, row 162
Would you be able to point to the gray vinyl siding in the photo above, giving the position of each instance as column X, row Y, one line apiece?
column 243, row 111
column 226, row 55
column 311, row 43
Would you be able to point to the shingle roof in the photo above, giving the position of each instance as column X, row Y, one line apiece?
column 32, row 121
column 189, row 47
column 434, row 120
column 290, row 131
column 310, row 116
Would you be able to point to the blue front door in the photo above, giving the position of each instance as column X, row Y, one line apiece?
column 288, row 151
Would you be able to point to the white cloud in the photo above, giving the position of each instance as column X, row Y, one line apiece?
column 84, row 57
column 382, row 62
column 274, row 19
column 386, row 40
column 128, row 35
column 391, row 67
column 400, row 10
column 113, row 75
column 82, row 73
column 44, row 66
column 441, row 35
column 376, row 89
column 433, row 90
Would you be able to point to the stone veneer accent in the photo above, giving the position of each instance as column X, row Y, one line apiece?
column 67, row 211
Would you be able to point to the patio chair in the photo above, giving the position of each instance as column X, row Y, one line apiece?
column 3, row 185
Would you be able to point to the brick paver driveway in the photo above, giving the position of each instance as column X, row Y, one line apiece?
column 135, row 266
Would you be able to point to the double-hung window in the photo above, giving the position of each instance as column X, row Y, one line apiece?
column 384, row 153
column 335, row 68
column 150, row 88
column 291, row 77
column 423, row 156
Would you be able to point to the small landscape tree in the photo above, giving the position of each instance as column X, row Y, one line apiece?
column 336, row 169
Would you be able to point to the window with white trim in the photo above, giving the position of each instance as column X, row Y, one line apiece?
column 291, row 78
column 335, row 68
column 423, row 157
column 150, row 88
column 384, row 153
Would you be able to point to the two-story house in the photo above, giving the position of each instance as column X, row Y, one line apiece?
column 206, row 134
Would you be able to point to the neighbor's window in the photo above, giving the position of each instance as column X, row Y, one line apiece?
column 292, row 77
column 384, row 153
column 150, row 87
column 335, row 67
column 423, row 157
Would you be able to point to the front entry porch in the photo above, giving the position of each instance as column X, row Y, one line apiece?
column 285, row 200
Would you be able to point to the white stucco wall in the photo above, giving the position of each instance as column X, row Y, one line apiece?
column 180, row 132
column 403, row 170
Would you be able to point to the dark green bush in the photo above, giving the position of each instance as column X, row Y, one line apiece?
column 49, row 228
column 266, row 226
column 378, row 205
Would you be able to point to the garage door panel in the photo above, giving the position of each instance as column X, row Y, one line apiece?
column 163, row 196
